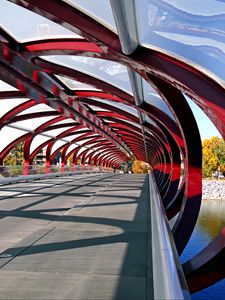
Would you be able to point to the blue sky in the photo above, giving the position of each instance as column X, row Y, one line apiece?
column 206, row 127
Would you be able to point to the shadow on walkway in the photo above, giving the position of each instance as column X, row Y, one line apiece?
column 78, row 243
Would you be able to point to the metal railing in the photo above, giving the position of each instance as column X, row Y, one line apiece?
column 18, row 173
column 168, row 277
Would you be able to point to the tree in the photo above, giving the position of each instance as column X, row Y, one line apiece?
column 140, row 167
column 15, row 156
column 213, row 151
column 70, row 159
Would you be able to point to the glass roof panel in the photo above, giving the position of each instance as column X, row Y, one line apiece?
column 11, row 134
column 90, row 151
column 74, row 136
column 108, row 71
column 86, row 140
column 95, row 148
column 66, row 121
column 57, row 145
column 95, row 10
column 7, row 104
column 130, row 122
column 190, row 29
column 97, row 108
column 32, row 124
column 91, row 145
column 71, row 147
column 70, row 138
column 5, row 86
column 37, row 141
column 39, row 27
column 150, row 121
column 56, row 132
column 102, row 154
column 151, row 97
column 80, row 151
column 108, row 121
column 119, row 105
column 37, row 108
column 76, row 85
column 126, row 108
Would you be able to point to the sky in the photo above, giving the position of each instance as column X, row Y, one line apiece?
column 206, row 127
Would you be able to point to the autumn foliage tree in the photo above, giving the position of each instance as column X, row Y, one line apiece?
column 15, row 156
column 140, row 167
column 213, row 151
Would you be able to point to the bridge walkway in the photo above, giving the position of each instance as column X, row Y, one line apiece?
column 84, row 237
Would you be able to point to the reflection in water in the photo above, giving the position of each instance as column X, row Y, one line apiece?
column 211, row 220
column 212, row 217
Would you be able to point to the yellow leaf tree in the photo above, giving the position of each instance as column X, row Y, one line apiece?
column 15, row 156
column 213, row 151
column 140, row 167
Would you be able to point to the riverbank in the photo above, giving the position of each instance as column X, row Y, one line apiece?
column 213, row 189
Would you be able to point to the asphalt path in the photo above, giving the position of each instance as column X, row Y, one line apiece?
column 77, row 237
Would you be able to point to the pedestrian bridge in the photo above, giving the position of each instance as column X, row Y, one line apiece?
column 106, row 84
column 84, row 237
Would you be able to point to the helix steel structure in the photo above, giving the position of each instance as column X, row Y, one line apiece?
column 107, row 83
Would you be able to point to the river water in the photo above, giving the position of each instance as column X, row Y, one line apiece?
column 210, row 221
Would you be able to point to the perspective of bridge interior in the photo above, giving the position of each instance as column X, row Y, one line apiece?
column 99, row 84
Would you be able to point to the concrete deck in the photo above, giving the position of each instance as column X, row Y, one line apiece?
column 80, row 237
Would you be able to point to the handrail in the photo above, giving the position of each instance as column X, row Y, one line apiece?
column 168, row 277
column 10, row 174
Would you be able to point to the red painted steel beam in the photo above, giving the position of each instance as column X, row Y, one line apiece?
column 96, row 140
column 35, row 73
column 66, row 145
column 11, row 94
column 59, row 47
column 207, row 267
column 6, row 119
column 184, row 225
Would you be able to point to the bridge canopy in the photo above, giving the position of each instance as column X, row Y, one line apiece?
column 107, row 82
